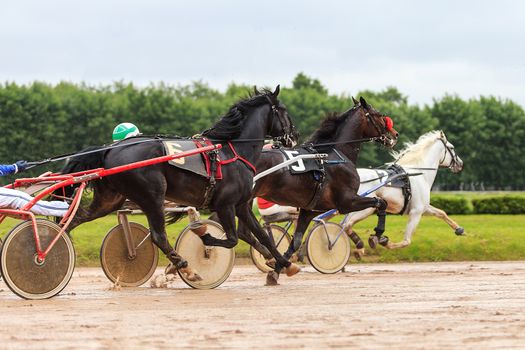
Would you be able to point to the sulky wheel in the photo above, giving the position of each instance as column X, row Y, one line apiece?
column 213, row 264
column 116, row 263
column 23, row 273
column 323, row 258
column 282, row 241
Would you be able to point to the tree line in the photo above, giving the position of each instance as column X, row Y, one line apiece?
column 42, row 120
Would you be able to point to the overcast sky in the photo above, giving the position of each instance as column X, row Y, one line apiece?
column 424, row 48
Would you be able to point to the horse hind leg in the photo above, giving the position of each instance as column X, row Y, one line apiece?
column 350, row 221
column 378, row 237
column 154, row 211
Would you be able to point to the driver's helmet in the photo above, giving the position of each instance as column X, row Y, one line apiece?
column 125, row 130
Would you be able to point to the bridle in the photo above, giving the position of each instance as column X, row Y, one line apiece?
column 288, row 128
column 381, row 130
column 448, row 150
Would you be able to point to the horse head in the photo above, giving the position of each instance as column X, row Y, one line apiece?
column 281, row 127
column 376, row 125
column 450, row 158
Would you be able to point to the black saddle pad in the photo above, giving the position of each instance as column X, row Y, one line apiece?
column 194, row 163
column 302, row 165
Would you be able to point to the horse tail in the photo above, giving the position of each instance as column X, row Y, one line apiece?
column 87, row 161
column 173, row 217
column 78, row 163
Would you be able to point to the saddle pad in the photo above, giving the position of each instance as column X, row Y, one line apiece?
column 401, row 181
column 302, row 165
column 193, row 163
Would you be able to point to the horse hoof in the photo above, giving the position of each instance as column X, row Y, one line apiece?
column 292, row 270
column 383, row 240
column 373, row 241
column 357, row 255
column 170, row 269
column 195, row 277
column 271, row 278
column 459, row 231
column 271, row 263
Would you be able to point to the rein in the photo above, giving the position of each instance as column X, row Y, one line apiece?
column 368, row 139
column 68, row 155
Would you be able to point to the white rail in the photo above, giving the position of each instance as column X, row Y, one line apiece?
column 288, row 162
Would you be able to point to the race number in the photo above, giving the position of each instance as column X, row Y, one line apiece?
column 299, row 164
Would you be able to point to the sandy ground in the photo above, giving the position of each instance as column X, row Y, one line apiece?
column 404, row 306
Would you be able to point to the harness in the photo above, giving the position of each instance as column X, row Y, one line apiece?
column 402, row 182
column 213, row 167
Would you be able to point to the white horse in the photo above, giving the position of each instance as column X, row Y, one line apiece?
column 431, row 152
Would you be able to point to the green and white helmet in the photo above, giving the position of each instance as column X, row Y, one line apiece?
column 125, row 130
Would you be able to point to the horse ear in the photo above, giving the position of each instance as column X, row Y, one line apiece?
column 255, row 91
column 363, row 102
column 277, row 90
column 356, row 102
column 442, row 134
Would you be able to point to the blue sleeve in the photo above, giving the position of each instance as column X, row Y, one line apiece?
column 7, row 169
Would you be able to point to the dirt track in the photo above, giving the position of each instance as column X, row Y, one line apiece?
column 422, row 306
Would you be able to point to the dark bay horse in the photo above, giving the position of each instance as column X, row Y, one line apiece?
column 337, row 187
column 246, row 125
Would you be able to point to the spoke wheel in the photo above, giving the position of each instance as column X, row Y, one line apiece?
column 322, row 258
column 24, row 274
column 281, row 239
column 116, row 263
column 213, row 264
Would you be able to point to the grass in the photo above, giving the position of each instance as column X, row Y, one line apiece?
column 489, row 237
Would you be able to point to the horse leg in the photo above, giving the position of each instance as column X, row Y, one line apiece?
column 104, row 202
column 305, row 217
column 246, row 235
column 152, row 204
column 357, row 203
column 458, row 230
column 226, row 216
column 246, row 215
column 351, row 220
column 413, row 220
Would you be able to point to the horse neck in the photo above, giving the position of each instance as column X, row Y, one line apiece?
column 351, row 131
column 254, row 129
column 431, row 159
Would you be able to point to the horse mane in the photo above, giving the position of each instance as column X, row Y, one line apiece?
column 231, row 124
column 414, row 152
column 327, row 132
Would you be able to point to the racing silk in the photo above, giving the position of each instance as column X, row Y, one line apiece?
column 6, row 169
column 14, row 199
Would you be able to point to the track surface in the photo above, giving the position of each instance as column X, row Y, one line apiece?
column 476, row 305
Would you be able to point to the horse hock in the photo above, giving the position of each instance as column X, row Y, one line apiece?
column 378, row 237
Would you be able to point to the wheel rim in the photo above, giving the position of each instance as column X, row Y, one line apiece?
column 322, row 258
column 22, row 272
column 279, row 236
column 216, row 267
column 115, row 260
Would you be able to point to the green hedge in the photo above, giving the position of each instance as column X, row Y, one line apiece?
column 479, row 203
column 509, row 204
column 455, row 204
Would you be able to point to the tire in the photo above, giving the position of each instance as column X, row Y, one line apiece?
column 281, row 239
column 23, row 275
column 214, row 268
column 322, row 258
column 115, row 260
